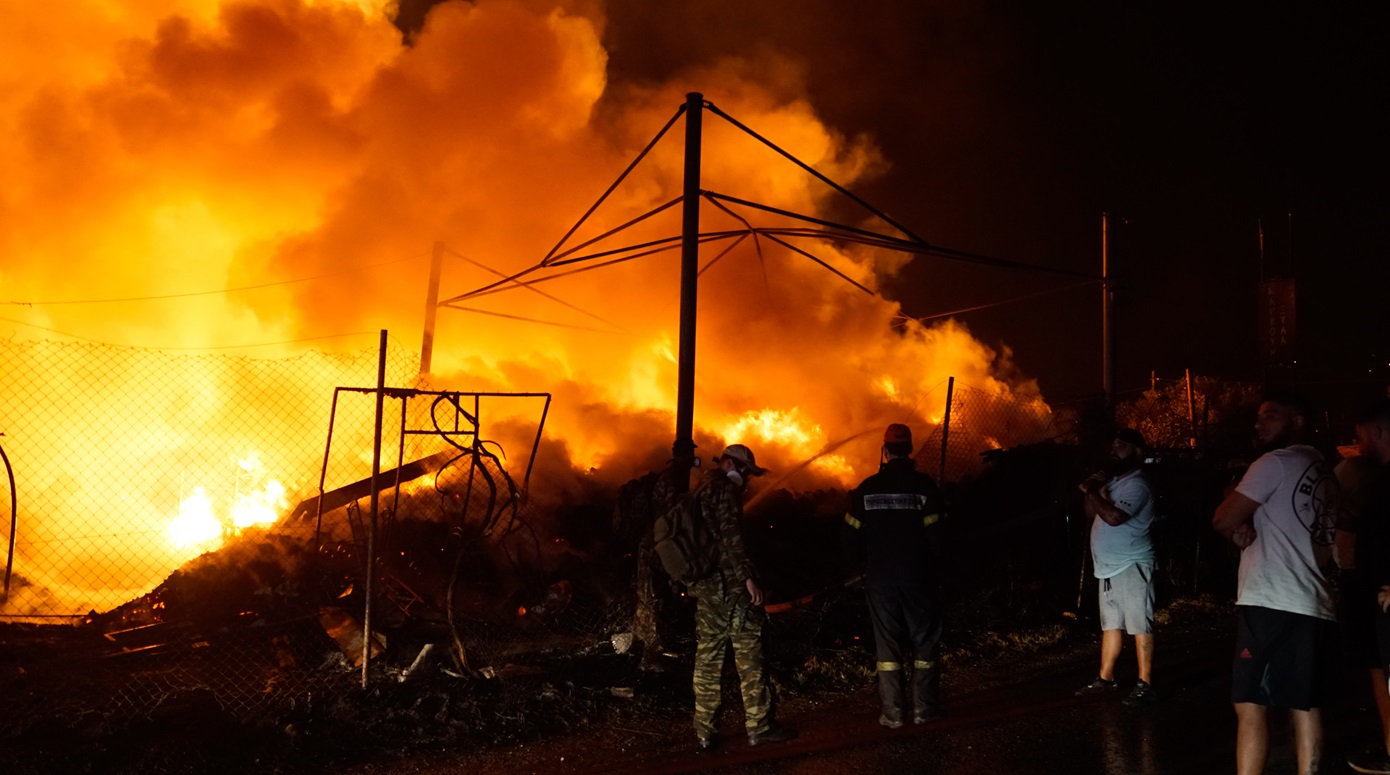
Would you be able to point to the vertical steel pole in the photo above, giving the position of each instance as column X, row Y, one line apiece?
column 946, row 432
column 431, row 308
column 683, row 450
column 371, row 516
column 323, row 473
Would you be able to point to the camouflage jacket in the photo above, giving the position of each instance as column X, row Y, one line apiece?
column 721, row 504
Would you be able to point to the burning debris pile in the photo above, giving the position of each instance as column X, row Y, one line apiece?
column 504, row 622
column 270, row 627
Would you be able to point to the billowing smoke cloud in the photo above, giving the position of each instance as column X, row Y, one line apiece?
column 203, row 146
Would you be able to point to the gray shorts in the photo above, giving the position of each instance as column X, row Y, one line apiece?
column 1127, row 601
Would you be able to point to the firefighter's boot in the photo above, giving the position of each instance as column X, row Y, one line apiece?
column 926, row 691
column 892, row 693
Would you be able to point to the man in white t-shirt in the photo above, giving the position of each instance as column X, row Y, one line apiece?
column 1120, row 503
column 1282, row 515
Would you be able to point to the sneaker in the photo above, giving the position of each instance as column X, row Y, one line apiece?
column 774, row 734
column 929, row 716
column 891, row 723
column 1375, row 763
column 708, row 743
column 1141, row 694
column 1097, row 686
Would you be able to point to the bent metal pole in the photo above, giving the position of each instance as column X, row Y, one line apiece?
column 372, row 516
column 431, row 309
column 683, row 450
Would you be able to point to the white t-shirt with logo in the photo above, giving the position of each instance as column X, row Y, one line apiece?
column 1294, row 529
column 1116, row 547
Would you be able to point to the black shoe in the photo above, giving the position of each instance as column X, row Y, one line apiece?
column 1097, row 686
column 929, row 716
column 774, row 734
column 1374, row 763
column 1142, row 694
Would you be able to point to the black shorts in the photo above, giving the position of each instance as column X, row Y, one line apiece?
column 1283, row 660
column 1356, row 609
column 1382, row 628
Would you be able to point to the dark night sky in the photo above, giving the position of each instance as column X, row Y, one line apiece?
column 1012, row 126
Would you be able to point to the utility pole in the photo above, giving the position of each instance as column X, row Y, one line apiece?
column 431, row 308
column 683, row 449
column 1107, row 303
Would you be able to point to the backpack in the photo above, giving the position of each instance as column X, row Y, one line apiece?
column 683, row 540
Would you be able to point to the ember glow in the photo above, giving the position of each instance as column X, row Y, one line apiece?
column 267, row 176
column 201, row 524
column 258, row 501
column 787, row 435
column 196, row 525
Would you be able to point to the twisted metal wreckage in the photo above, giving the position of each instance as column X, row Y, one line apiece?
column 438, row 567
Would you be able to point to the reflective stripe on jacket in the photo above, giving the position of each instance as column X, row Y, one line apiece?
column 890, row 520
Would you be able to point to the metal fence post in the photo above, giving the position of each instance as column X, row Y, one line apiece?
column 946, row 431
column 14, row 522
column 372, row 517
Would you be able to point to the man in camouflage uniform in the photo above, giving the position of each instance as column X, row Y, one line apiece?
column 726, row 612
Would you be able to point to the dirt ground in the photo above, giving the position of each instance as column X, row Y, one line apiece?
column 68, row 710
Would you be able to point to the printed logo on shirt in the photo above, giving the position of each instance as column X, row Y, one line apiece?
column 894, row 501
column 1315, row 503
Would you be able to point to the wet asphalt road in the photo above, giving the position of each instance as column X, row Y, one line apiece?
column 1035, row 726
column 1024, row 725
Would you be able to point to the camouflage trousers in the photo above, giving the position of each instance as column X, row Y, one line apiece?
column 725, row 618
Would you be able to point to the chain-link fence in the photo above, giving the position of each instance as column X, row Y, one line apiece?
column 170, row 506
column 976, row 421
column 208, row 521
column 129, row 462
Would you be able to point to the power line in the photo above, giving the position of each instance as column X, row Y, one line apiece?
column 215, row 347
column 1000, row 303
column 531, row 320
column 528, row 286
column 210, row 293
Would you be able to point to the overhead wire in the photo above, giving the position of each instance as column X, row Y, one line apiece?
column 213, row 292
column 553, row 260
column 640, row 156
column 978, row 307
column 209, row 347
column 536, row 291
column 813, row 171
column 346, row 270
column 538, row 321
column 915, row 245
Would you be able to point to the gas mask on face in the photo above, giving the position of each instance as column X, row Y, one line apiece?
column 735, row 477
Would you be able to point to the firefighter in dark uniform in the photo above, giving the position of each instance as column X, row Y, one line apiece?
column 892, row 522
